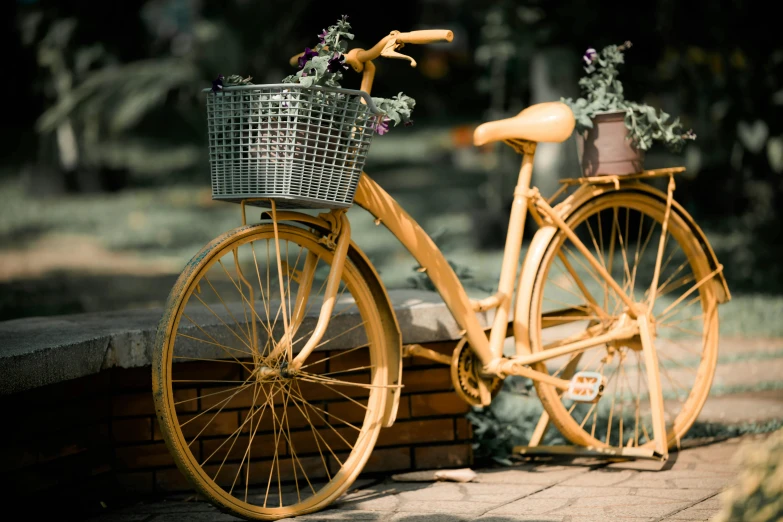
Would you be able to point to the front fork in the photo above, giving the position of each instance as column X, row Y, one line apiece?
column 339, row 239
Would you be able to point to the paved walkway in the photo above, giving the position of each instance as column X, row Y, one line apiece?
column 687, row 487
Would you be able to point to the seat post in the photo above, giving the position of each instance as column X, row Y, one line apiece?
column 516, row 227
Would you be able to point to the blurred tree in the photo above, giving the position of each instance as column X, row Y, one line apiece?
column 120, row 84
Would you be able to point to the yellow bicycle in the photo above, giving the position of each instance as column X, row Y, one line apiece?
column 279, row 357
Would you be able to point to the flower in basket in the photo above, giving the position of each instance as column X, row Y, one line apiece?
column 323, row 66
column 603, row 93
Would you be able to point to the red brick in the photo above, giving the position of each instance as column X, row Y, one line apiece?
column 132, row 430
column 444, row 348
column 404, row 408
column 349, row 360
column 388, row 459
column 337, row 438
column 447, row 403
column 452, row 456
column 430, row 379
column 230, row 397
column 316, row 391
column 205, row 425
column 206, row 373
column 286, row 468
column 133, row 404
column 186, row 399
column 417, row 431
column 144, row 456
column 301, row 415
column 345, row 411
column 143, row 403
column 463, row 429
column 315, row 362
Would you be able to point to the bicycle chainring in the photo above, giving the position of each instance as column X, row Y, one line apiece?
column 465, row 375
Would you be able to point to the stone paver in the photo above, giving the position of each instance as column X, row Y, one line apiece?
column 688, row 487
column 704, row 510
column 541, row 475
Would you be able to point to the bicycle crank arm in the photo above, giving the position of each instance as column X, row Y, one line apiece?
column 510, row 367
column 583, row 386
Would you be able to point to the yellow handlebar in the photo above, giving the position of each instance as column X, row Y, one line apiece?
column 356, row 58
column 426, row 36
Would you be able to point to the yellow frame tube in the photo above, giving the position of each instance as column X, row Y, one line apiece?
column 511, row 252
column 650, row 354
column 330, row 294
column 372, row 198
column 303, row 293
column 576, row 346
column 562, row 225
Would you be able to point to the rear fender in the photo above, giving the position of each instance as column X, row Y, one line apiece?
column 586, row 192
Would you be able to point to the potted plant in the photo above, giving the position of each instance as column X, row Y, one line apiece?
column 613, row 133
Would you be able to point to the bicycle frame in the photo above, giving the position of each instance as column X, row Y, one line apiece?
column 371, row 197
column 633, row 323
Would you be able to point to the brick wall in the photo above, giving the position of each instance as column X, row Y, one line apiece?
column 96, row 438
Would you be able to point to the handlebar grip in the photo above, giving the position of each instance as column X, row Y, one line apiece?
column 425, row 36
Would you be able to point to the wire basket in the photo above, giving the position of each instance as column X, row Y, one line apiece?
column 303, row 147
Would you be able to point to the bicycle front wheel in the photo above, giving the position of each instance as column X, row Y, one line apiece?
column 623, row 231
column 256, row 439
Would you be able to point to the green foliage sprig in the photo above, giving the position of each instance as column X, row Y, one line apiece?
column 603, row 92
column 324, row 64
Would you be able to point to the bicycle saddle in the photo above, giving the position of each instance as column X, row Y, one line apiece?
column 543, row 122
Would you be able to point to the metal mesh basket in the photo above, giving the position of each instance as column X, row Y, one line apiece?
column 304, row 147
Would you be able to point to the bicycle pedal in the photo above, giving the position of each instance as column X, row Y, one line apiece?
column 585, row 387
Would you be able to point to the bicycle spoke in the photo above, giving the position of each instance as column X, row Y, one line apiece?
column 217, row 294
column 314, row 432
column 214, row 342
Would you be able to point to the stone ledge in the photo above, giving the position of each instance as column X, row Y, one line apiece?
column 38, row 351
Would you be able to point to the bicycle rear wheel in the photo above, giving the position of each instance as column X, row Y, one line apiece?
column 623, row 229
column 256, row 439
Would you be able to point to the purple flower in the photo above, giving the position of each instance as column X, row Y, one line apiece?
column 381, row 125
column 690, row 135
column 322, row 36
column 589, row 56
column 344, row 18
column 409, row 123
column 217, row 84
column 306, row 57
column 336, row 63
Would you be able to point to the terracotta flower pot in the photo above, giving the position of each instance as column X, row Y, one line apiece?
column 606, row 149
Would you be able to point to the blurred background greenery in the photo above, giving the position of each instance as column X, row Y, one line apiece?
column 104, row 184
